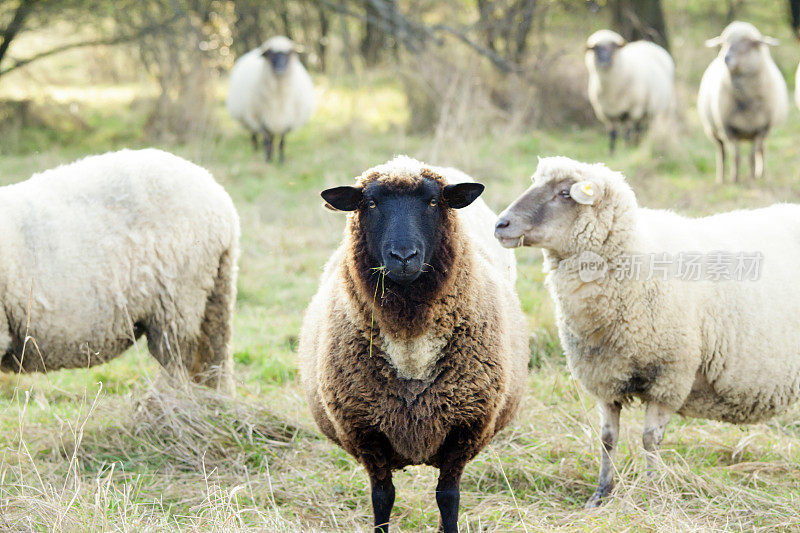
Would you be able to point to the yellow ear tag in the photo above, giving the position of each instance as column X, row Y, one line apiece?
column 582, row 192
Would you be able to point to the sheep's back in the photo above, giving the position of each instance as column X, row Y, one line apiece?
column 262, row 101
column 653, row 67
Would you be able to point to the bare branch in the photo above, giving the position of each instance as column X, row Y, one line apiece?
column 109, row 41
column 414, row 35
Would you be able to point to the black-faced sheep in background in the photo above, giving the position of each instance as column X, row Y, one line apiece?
column 414, row 350
column 271, row 93
column 630, row 84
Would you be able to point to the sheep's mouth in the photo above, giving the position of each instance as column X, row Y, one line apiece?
column 511, row 242
column 403, row 277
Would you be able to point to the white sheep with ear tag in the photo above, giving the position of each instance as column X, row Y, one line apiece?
column 583, row 192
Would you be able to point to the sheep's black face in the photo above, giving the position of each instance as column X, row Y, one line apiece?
column 278, row 60
column 604, row 53
column 402, row 227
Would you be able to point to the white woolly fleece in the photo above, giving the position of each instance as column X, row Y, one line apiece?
column 108, row 242
column 264, row 102
column 726, row 350
column 639, row 83
column 767, row 94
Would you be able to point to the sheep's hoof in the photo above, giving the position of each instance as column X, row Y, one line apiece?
column 596, row 500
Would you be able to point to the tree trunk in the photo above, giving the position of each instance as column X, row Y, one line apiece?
column 13, row 28
column 374, row 40
column 639, row 19
column 322, row 43
column 287, row 27
column 247, row 26
column 379, row 29
column 794, row 6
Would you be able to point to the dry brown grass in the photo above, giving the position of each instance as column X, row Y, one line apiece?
column 169, row 456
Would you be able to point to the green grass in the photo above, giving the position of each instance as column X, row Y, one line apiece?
column 115, row 447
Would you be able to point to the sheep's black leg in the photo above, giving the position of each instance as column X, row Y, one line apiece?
column 612, row 140
column 268, row 146
column 638, row 128
column 609, row 433
column 280, row 148
column 374, row 451
column 254, row 140
column 460, row 446
column 720, row 161
column 448, row 496
column 382, row 500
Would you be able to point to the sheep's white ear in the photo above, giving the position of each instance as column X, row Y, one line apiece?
column 770, row 41
column 714, row 42
column 583, row 192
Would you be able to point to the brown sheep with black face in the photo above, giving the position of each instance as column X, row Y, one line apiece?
column 414, row 349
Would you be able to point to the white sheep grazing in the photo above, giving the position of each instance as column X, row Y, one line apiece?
column 270, row 92
column 742, row 96
column 629, row 83
column 112, row 247
column 680, row 335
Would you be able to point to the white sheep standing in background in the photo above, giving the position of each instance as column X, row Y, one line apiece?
column 676, row 339
column 629, row 83
column 112, row 247
column 271, row 92
column 742, row 96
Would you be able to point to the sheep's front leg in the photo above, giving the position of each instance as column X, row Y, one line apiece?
column 720, row 162
column 655, row 423
column 736, row 160
column 268, row 137
column 254, row 140
column 374, row 451
column 612, row 139
column 382, row 499
column 281, row 157
column 757, row 158
column 460, row 446
column 609, row 434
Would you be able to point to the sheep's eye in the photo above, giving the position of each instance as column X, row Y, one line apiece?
column 371, row 204
column 434, row 202
column 564, row 193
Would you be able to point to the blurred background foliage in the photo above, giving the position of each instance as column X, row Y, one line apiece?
column 503, row 57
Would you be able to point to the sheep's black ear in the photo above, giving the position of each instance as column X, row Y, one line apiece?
column 461, row 194
column 343, row 198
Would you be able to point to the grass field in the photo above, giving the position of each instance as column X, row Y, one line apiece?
column 118, row 448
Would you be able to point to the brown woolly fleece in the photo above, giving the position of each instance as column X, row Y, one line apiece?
column 461, row 322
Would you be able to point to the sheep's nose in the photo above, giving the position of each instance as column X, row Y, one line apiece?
column 404, row 256
column 502, row 223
